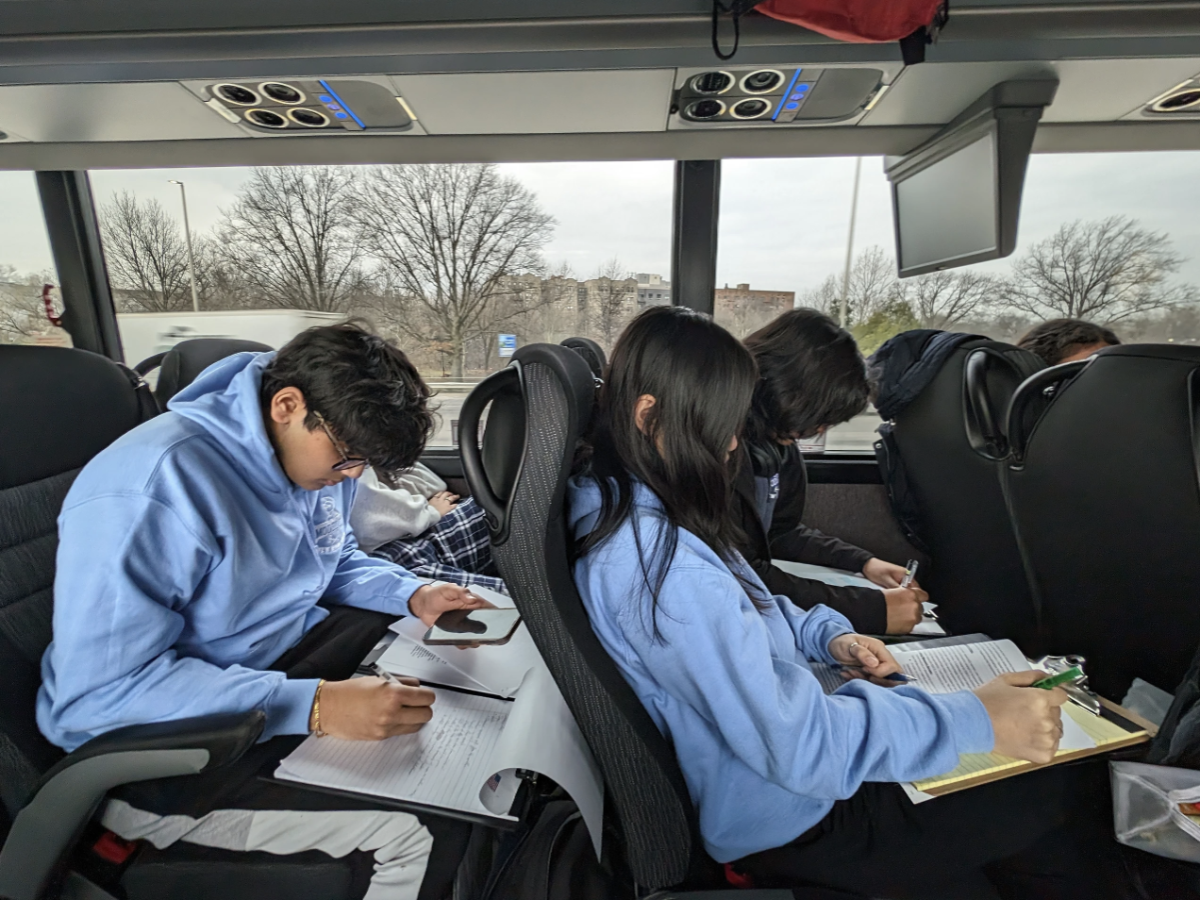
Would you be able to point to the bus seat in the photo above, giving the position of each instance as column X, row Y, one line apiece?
column 951, row 442
column 592, row 352
column 519, row 476
column 1105, row 491
column 58, row 408
column 179, row 366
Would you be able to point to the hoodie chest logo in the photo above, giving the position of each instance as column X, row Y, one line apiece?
column 329, row 527
column 773, row 488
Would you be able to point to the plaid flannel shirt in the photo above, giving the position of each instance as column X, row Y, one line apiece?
column 457, row 549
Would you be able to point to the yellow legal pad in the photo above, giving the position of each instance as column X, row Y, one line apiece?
column 980, row 768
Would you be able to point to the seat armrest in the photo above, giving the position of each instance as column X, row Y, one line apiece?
column 49, row 824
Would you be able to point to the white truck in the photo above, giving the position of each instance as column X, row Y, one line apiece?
column 145, row 334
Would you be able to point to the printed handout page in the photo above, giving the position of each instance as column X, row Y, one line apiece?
column 443, row 764
column 842, row 578
column 468, row 757
column 961, row 667
column 492, row 668
column 541, row 736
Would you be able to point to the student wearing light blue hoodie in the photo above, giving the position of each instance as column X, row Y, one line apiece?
column 793, row 786
column 206, row 566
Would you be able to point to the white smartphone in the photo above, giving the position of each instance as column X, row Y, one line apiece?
column 473, row 626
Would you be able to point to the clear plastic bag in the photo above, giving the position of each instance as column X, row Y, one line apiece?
column 1147, row 811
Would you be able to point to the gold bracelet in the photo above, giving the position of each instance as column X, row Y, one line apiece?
column 314, row 724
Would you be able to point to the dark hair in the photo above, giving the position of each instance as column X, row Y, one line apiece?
column 367, row 390
column 701, row 379
column 1057, row 339
column 810, row 374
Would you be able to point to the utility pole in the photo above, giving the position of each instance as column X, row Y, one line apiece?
column 842, row 317
column 187, row 231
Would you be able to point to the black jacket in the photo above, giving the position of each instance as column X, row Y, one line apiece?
column 787, row 538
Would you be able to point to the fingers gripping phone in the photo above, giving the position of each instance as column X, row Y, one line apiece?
column 473, row 626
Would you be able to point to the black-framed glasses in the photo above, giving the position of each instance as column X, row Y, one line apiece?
column 348, row 462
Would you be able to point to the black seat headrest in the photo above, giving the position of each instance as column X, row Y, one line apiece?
column 182, row 363
column 592, row 352
column 58, row 409
column 992, row 372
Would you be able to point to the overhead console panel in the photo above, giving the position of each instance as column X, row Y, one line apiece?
column 292, row 106
column 765, row 96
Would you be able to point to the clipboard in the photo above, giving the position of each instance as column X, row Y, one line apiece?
column 1114, row 729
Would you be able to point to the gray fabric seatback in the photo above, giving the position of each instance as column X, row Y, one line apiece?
column 647, row 798
column 58, row 409
column 952, row 444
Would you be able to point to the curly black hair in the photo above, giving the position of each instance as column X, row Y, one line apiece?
column 1057, row 339
column 810, row 374
column 367, row 390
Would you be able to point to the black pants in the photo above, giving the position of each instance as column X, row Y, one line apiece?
column 330, row 650
column 1045, row 835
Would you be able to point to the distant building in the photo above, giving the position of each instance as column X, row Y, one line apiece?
column 652, row 290
column 743, row 310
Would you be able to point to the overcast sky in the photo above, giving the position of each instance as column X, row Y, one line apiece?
column 783, row 222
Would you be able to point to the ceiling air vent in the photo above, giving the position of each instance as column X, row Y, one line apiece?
column 1181, row 101
column 766, row 96
column 307, row 106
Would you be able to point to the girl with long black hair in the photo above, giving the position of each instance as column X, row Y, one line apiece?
column 780, row 772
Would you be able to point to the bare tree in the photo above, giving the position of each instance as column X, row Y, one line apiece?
column 872, row 288
column 448, row 238
column 612, row 302
column 291, row 237
column 944, row 299
column 1106, row 271
column 145, row 255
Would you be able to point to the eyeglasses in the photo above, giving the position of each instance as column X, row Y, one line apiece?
column 348, row 462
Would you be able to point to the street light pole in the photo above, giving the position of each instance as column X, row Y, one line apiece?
column 187, row 231
column 850, row 245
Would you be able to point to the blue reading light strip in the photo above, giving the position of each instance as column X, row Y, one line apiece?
column 332, row 93
column 786, row 94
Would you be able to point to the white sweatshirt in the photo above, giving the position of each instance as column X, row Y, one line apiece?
column 381, row 514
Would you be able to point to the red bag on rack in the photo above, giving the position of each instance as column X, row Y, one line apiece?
column 861, row 21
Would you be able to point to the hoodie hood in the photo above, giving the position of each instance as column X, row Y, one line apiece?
column 583, row 507
column 224, row 401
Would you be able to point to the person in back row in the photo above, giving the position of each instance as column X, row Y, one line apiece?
column 205, row 566
column 810, row 378
column 785, row 777
column 417, row 523
column 1067, row 340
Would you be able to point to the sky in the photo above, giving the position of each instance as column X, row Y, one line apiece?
column 784, row 222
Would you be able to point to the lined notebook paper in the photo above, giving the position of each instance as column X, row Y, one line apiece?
column 444, row 764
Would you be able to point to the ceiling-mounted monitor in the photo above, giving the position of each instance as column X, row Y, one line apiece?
column 956, row 199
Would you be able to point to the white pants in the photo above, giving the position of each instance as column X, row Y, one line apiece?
column 400, row 842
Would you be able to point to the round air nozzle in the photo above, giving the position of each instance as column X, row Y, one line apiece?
column 762, row 82
column 1177, row 101
column 281, row 93
column 750, row 109
column 266, row 118
column 704, row 110
column 309, row 118
column 237, row 94
column 712, row 83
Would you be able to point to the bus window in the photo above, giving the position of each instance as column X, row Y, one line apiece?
column 1120, row 257
column 26, row 267
column 542, row 252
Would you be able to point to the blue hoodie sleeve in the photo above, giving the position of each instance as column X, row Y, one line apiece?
column 370, row 583
column 117, row 618
column 715, row 656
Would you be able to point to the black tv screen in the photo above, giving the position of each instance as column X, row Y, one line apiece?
column 956, row 199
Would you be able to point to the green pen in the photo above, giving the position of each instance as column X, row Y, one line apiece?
column 1070, row 676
